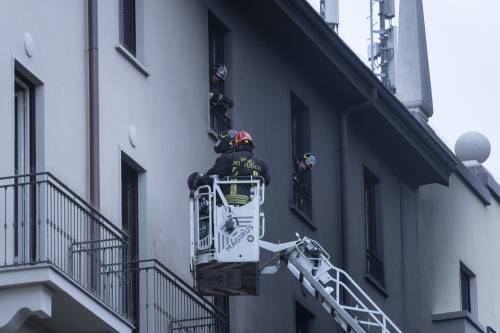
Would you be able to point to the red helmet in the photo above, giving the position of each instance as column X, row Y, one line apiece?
column 242, row 137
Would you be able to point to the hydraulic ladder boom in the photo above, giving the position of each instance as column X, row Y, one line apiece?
column 337, row 292
column 225, row 253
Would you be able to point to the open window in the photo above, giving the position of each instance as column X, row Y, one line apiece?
column 301, row 202
column 373, row 230
column 218, row 36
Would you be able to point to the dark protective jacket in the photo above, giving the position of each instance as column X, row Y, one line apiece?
column 242, row 163
column 219, row 102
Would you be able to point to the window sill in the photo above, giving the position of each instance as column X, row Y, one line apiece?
column 308, row 221
column 133, row 60
column 377, row 285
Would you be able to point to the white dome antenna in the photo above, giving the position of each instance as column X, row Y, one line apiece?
column 473, row 146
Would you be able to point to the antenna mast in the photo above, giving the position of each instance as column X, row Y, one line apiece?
column 383, row 37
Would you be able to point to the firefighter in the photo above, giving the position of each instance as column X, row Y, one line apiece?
column 224, row 145
column 218, row 101
column 303, row 165
column 240, row 163
column 225, row 142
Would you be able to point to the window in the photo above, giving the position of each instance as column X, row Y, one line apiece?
column 222, row 303
column 374, row 263
column 133, row 226
column 303, row 319
column 131, row 44
column 128, row 26
column 302, row 182
column 217, row 49
column 24, row 164
column 466, row 288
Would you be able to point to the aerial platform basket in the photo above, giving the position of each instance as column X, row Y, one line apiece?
column 225, row 238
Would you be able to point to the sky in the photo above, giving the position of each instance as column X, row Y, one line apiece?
column 463, row 43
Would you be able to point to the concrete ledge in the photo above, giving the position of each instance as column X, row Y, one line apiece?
column 133, row 60
column 20, row 303
column 462, row 319
column 474, row 183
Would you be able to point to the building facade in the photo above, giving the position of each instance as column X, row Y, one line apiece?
column 111, row 99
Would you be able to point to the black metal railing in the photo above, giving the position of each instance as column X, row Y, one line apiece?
column 42, row 221
column 170, row 305
column 301, row 199
column 375, row 267
column 219, row 122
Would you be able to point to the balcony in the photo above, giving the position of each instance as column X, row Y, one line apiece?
column 60, row 259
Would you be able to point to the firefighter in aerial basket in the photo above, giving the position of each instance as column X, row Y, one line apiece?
column 241, row 162
column 225, row 142
column 223, row 145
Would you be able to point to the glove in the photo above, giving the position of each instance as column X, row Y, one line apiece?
column 215, row 98
column 192, row 181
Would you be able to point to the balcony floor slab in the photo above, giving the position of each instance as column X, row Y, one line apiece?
column 73, row 309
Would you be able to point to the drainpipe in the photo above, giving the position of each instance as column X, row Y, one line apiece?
column 93, row 103
column 344, row 167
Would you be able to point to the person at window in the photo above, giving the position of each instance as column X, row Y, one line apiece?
column 303, row 165
column 218, row 101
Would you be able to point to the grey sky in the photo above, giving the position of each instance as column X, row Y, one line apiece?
column 463, row 39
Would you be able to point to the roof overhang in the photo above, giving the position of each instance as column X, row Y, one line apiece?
column 320, row 56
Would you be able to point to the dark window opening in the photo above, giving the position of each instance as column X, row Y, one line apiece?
column 130, row 225
column 374, row 263
column 222, row 303
column 303, row 319
column 302, row 182
column 128, row 31
column 24, row 164
column 465, row 290
column 217, row 49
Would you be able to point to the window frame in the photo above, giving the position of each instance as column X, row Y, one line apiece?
column 300, row 137
column 135, row 57
column 218, row 123
column 25, row 149
column 132, row 49
column 470, row 291
column 375, row 269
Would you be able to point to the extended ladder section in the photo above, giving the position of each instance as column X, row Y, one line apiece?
column 337, row 292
